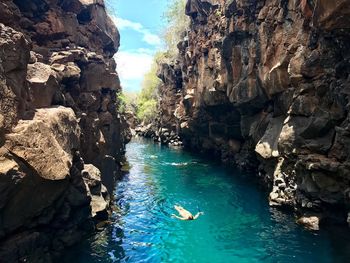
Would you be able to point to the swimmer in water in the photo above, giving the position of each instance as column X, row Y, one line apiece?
column 184, row 214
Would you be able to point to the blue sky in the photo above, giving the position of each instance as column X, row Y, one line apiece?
column 140, row 24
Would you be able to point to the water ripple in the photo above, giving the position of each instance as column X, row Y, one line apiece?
column 238, row 226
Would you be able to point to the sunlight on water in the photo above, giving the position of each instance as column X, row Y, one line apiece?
column 238, row 225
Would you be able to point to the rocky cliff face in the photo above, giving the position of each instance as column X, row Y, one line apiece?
column 61, row 136
column 265, row 85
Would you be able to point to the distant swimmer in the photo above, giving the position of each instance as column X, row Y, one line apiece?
column 184, row 214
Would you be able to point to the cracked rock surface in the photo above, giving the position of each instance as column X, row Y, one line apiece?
column 61, row 136
column 264, row 85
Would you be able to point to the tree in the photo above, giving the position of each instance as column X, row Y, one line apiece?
column 177, row 24
column 148, row 97
column 127, row 102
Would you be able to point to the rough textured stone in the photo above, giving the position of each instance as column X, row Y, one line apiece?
column 267, row 147
column 14, row 57
column 99, row 195
column 311, row 222
column 42, row 84
column 331, row 14
column 95, row 77
column 273, row 77
column 58, row 110
column 46, row 142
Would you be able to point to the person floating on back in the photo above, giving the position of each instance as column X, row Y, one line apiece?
column 184, row 214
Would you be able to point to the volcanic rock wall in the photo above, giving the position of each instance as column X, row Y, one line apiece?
column 265, row 85
column 61, row 136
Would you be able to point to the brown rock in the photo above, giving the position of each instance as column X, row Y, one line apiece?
column 42, row 84
column 92, row 177
column 14, row 57
column 95, row 77
column 332, row 14
column 98, row 205
column 73, row 43
column 267, row 147
column 65, row 56
column 53, row 25
column 15, row 49
column 274, row 76
column 310, row 222
column 18, row 180
column 68, row 72
column 277, row 78
column 46, row 141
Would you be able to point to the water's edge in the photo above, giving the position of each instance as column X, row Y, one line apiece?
column 238, row 224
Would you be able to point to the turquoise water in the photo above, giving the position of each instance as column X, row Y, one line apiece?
column 238, row 225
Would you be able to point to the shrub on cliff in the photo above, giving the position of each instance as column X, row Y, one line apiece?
column 147, row 111
column 127, row 102
column 148, row 97
column 177, row 24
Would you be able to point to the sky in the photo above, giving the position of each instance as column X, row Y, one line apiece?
column 139, row 23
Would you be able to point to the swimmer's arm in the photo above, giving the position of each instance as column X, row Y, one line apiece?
column 198, row 214
column 181, row 218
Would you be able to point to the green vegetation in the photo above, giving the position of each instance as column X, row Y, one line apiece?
column 176, row 26
column 127, row 101
column 148, row 97
column 177, row 23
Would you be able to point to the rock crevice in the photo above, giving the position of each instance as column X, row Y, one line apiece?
column 61, row 136
column 264, row 85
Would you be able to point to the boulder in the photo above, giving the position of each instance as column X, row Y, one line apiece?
column 310, row 222
column 18, row 180
column 46, row 141
column 65, row 56
column 99, row 199
column 68, row 72
column 42, row 84
column 8, row 118
column 97, row 76
column 277, row 79
column 92, row 177
column 247, row 94
column 14, row 57
column 53, row 25
column 98, row 205
column 89, row 101
column 267, row 147
column 61, row 53
column 15, row 53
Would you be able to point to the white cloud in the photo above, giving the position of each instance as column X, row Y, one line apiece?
column 145, row 50
column 124, row 23
column 148, row 37
column 151, row 39
column 132, row 66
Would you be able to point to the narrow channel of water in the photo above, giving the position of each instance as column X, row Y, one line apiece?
column 238, row 225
